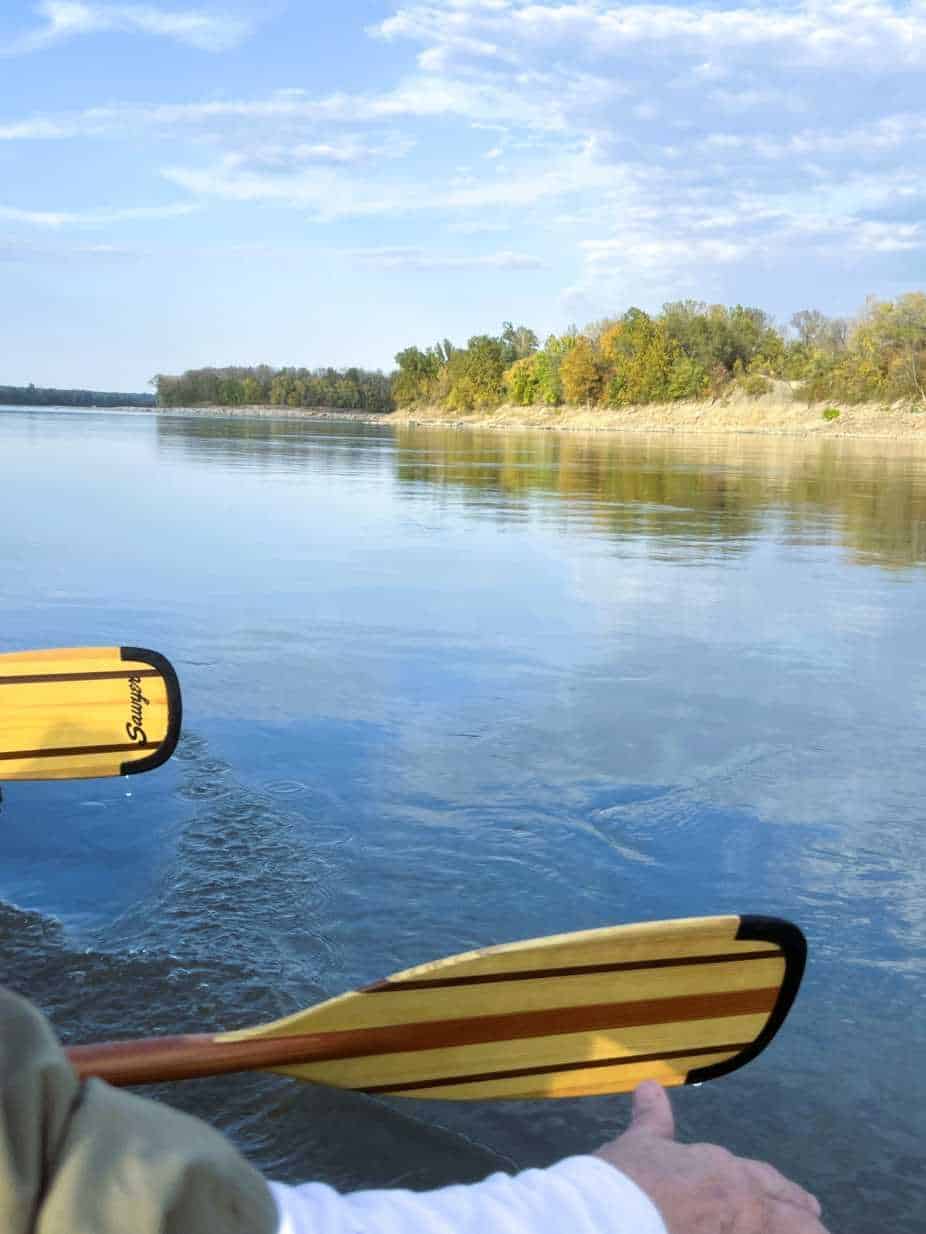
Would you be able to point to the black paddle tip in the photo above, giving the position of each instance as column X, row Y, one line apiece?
column 160, row 662
column 793, row 945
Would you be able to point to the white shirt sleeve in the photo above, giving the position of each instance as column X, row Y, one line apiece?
column 580, row 1195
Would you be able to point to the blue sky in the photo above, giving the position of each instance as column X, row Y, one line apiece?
column 308, row 183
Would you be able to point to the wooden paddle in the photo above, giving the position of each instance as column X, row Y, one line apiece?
column 79, row 712
column 566, row 1016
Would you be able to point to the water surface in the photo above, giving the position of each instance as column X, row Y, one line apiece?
column 444, row 689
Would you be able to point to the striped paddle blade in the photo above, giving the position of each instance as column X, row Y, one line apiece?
column 567, row 1016
column 79, row 712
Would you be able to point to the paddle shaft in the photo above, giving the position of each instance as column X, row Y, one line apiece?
column 153, row 1059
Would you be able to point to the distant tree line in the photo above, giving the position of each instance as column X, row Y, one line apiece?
column 353, row 389
column 38, row 396
column 690, row 350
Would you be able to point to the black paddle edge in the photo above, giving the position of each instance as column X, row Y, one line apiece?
column 793, row 944
column 174, row 709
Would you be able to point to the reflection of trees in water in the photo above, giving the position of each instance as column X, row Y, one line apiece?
column 717, row 487
column 871, row 493
column 881, row 499
column 268, row 441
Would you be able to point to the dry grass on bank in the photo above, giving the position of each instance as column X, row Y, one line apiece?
column 773, row 413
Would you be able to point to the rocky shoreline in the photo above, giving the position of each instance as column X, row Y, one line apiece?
column 271, row 411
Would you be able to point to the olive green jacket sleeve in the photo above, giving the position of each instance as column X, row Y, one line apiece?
column 84, row 1158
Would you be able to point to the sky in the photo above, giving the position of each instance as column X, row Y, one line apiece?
column 312, row 183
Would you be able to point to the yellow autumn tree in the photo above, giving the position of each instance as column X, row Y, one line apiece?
column 581, row 373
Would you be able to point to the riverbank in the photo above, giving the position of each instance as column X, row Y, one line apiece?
column 771, row 415
column 774, row 414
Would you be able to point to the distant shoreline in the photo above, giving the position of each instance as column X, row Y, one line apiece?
column 766, row 416
column 771, row 415
column 272, row 411
column 268, row 411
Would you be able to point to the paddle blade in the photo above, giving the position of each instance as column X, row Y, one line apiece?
column 80, row 712
column 567, row 1016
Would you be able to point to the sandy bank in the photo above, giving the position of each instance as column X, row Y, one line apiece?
column 773, row 414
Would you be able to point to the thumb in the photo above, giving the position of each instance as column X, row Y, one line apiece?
column 652, row 1111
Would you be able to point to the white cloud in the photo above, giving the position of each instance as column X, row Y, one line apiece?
column 658, row 262
column 747, row 98
column 477, row 227
column 347, row 150
column 93, row 218
column 16, row 251
column 67, row 19
column 332, row 194
column 405, row 258
column 656, row 144
column 889, row 133
column 534, row 102
column 863, row 33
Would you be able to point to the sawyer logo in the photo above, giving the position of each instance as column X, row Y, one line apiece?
column 137, row 702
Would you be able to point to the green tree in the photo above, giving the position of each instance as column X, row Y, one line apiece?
column 898, row 333
column 640, row 355
column 686, row 378
column 521, row 385
column 251, row 390
column 475, row 375
column 416, row 379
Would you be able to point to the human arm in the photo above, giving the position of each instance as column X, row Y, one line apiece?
column 579, row 1195
column 643, row 1182
column 88, row 1159
column 84, row 1158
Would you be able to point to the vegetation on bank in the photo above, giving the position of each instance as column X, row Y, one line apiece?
column 38, row 396
column 353, row 389
column 690, row 350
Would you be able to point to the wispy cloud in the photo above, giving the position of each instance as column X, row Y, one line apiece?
column 863, row 33
column 477, row 227
column 14, row 251
column 404, row 258
column 887, row 134
column 61, row 20
column 93, row 218
column 341, row 150
column 421, row 98
column 331, row 194
column 655, row 145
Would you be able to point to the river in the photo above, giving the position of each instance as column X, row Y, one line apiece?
column 444, row 689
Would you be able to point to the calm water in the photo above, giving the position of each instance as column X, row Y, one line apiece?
column 447, row 689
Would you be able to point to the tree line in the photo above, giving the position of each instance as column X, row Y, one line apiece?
column 353, row 389
column 39, row 396
column 689, row 350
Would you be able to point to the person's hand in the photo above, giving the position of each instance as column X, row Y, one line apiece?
column 703, row 1189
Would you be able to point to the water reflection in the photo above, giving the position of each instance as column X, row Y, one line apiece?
column 870, row 496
